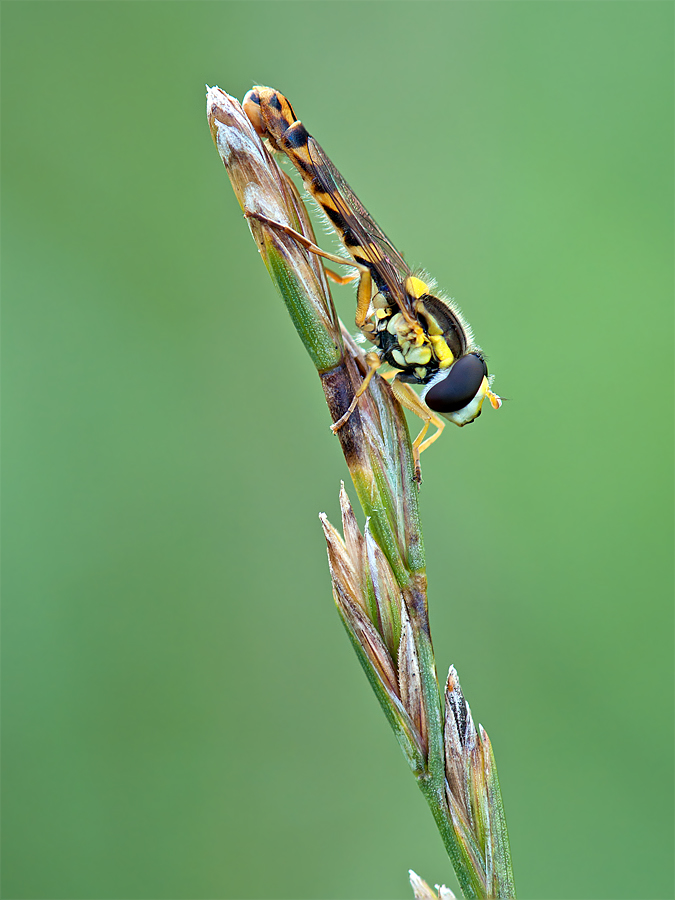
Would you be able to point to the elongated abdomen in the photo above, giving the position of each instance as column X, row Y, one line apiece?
column 273, row 118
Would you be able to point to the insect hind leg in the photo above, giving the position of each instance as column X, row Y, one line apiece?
column 303, row 241
column 341, row 279
column 365, row 286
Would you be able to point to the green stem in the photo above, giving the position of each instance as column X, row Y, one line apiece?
column 432, row 784
column 466, row 875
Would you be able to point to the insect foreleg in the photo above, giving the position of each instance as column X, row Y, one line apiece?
column 407, row 397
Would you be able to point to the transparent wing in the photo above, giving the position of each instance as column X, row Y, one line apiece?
column 361, row 229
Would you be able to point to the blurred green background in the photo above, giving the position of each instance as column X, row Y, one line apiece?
column 183, row 716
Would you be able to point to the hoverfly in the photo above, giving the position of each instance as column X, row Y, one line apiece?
column 422, row 337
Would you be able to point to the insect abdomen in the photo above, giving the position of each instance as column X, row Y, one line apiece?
column 273, row 118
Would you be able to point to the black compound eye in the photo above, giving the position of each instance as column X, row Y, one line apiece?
column 459, row 387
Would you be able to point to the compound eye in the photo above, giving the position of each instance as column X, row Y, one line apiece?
column 459, row 387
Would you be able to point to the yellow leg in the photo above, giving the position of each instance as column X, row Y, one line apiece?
column 407, row 397
column 374, row 363
column 340, row 279
column 364, row 294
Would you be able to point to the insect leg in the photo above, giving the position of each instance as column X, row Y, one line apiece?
column 340, row 279
column 365, row 288
column 407, row 397
column 364, row 294
column 303, row 241
column 374, row 363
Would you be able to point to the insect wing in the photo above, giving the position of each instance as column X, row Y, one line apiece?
column 362, row 234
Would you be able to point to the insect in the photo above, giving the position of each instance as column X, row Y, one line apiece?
column 421, row 336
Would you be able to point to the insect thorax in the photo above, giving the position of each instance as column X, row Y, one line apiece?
column 418, row 353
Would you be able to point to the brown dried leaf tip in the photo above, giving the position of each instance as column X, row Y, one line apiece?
column 372, row 607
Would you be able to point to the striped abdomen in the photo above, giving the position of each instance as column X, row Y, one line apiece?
column 273, row 118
